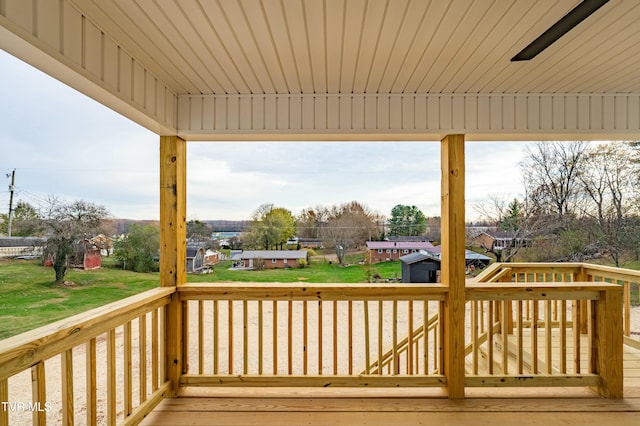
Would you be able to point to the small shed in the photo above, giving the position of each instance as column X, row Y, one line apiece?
column 86, row 255
column 195, row 259
column 420, row 267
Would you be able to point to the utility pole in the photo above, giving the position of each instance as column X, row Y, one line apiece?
column 13, row 181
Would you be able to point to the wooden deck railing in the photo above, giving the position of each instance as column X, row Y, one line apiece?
column 530, row 335
column 527, row 325
column 628, row 279
column 77, row 352
column 312, row 335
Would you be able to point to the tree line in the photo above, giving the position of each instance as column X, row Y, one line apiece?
column 580, row 201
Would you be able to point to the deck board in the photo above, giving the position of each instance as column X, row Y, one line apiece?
column 412, row 406
column 404, row 418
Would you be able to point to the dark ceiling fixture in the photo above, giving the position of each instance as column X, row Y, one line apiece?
column 560, row 28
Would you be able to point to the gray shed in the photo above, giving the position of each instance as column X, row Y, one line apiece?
column 195, row 259
column 420, row 267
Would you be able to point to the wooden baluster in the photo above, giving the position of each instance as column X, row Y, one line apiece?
column 520, row 332
column 425, row 335
column 260, row 337
column 127, row 369
column 481, row 317
column 111, row 377
column 200, row 336
column 410, row 337
column 627, row 308
column 320, row 337
column 39, row 392
column 154, row 350
column 185, row 337
column 305, row 337
column 245, row 337
column 490, row 338
column 592, row 357
column 506, row 330
column 380, row 337
column 350, row 307
column 216, row 333
column 534, row 337
column 396, row 363
column 66, row 373
column 142, row 353
column 290, row 337
column 162, row 344
column 547, row 337
column 474, row 336
column 563, row 336
column 4, row 397
column 275, row 337
column 367, row 348
column 231, row 369
column 90, row 391
column 335, row 337
column 576, row 336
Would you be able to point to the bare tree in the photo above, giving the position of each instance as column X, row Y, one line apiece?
column 310, row 220
column 348, row 226
column 608, row 179
column 512, row 222
column 551, row 175
column 66, row 223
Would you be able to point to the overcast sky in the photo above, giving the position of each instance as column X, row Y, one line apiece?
column 63, row 143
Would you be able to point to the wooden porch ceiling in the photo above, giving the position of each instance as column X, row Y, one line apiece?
column 362, row 69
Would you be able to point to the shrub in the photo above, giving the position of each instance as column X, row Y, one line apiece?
column 138, row 250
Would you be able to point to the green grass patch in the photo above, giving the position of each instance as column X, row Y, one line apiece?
column 30, row 299
column 319, row 271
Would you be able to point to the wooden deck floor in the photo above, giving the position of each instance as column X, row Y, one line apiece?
column 507, row 406
column 346, row 408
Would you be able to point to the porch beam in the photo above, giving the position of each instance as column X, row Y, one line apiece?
column 173, row 246
column 453, row 261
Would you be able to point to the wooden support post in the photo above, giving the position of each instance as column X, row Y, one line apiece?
column 453, row 261
column 609, row 341
column 173, row 246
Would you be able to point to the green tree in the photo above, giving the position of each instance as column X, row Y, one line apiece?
column 26, row 221
column 67, row 222
column 407, row 221
column 198, row 230
column 138, row 250
column 511, row 221
column 271, row 227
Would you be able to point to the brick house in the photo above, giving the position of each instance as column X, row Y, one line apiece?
column 270, row 259
column 385, row 251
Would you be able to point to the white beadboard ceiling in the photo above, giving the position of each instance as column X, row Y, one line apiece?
column 373, row 46
column 360, row 69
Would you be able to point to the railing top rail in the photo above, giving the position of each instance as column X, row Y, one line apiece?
column 611, row 272
column 622, row 274
column 538, row 291
column 301, row 291
column 20, row 352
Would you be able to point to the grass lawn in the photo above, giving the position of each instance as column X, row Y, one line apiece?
column 29, row 299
